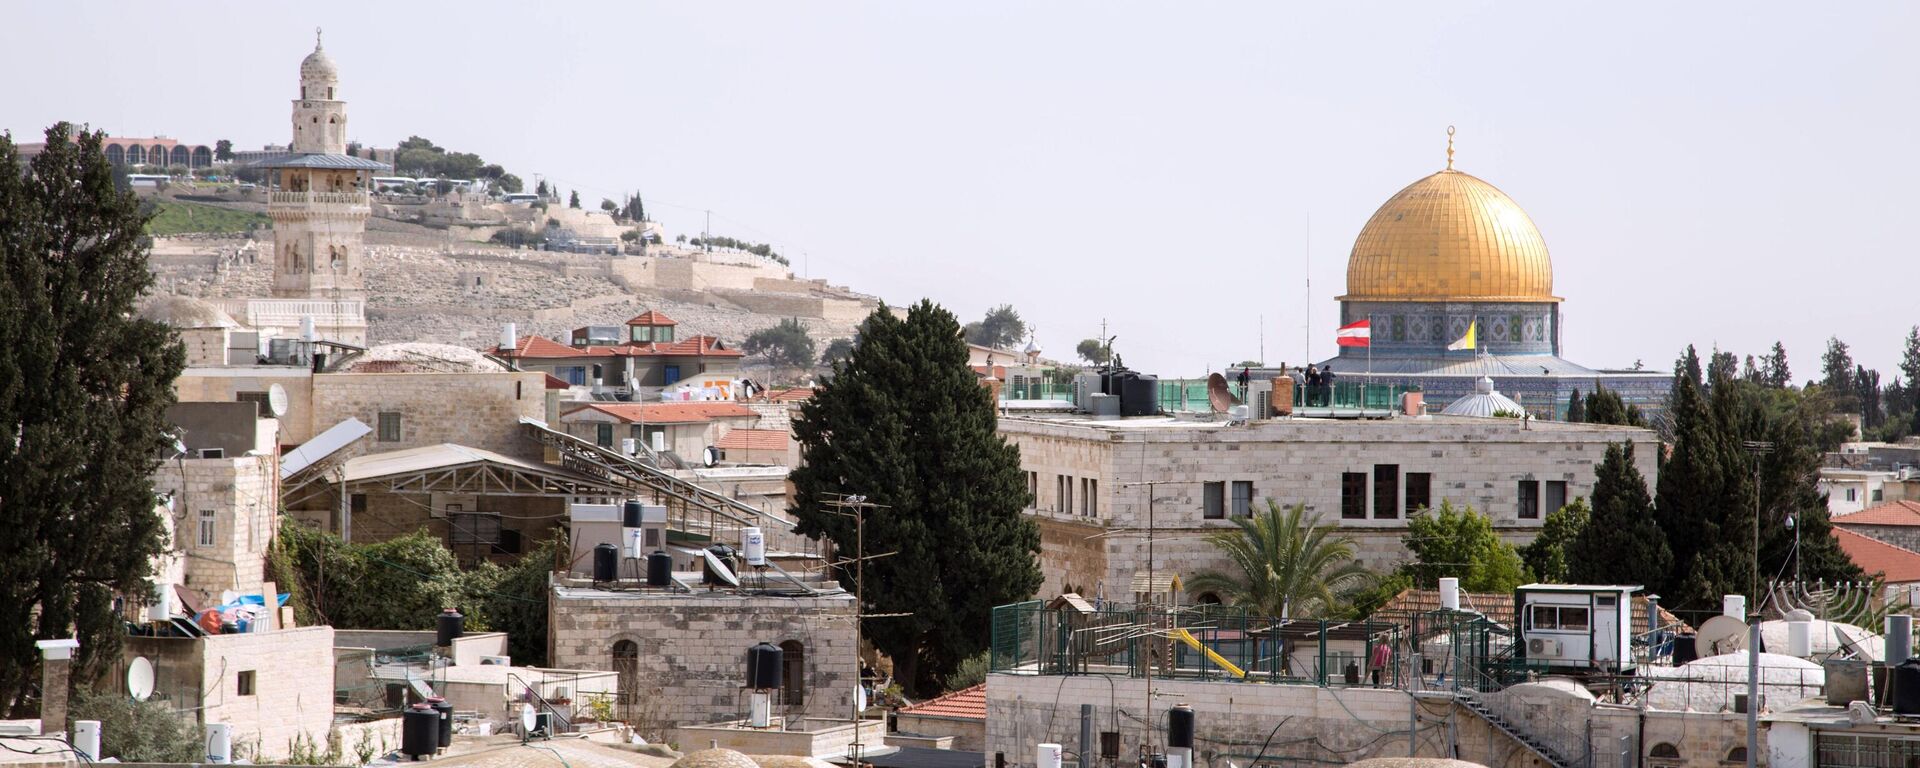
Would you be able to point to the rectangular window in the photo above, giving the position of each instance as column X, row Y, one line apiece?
column 1562, row 618
column 1853, row 494
column 576, row 375
column 206, row 527
column 1353, row 495
column 603, row 434
column 1419, row 491
column 1059, row 491
column 1556, row 495
column 357, row 503
column 643, row 333
column 1529, row 499
column 1386, row 491
column 259, row 400
column 389, row 426
column 1033, row 489
column 1086, row 499
column 1093, row 497
column 673, row 373
column 1213, row 500
column 1879, row 494
column 245, row 686
column 652, row 536
column 1243, row 498
column 473, row 527
column 1066, row 502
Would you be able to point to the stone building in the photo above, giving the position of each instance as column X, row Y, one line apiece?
column 273, row 687
column 637, row 360
column 1089, row 481
column 222, row 497
column 682, row 655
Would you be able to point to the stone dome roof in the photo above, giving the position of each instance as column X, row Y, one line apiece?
column 714, row 758
column 318, row 66
column 186, row 312
column 422, row 357
column 1450, row 237
column 1483, row 402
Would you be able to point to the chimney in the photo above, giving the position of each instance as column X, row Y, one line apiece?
column 56, row 663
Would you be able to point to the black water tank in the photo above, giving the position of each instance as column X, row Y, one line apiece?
column 606, row 563
column 445, row 711
column 1685, row 648
column 419, row 731
column 1139, row 396
column 763, row 667
column 630, row 516
column 449, row 626
column 659, row 569
column 1180, row 727
column 1906, row 688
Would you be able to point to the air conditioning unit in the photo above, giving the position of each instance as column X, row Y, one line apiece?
column 496, row 661
column 1543, row 648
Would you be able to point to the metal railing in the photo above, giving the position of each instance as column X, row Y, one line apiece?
column 1560, row 743
column 308, row 198
column 559, row 722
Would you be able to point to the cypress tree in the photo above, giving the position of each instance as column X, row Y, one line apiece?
column 1621, row 543
column 1691, row 493
column 84, row 388
column 1576, row 407
column 904, row 422
column 1777, row 374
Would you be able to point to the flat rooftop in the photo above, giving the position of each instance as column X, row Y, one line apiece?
column 1303, row 427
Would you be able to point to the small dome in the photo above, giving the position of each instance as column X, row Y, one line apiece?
column 1449, row 237
column 186, row 312
column 714, row 758
column 1483, row 402
column 422, row 357
column 317, row 66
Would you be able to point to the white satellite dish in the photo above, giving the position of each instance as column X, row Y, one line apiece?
column 227, row 596
column 712, row 455
column 277, row 401
column 140, row 678
column 1721, row 634
column 527, row 718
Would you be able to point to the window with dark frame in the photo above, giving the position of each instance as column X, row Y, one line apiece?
column 1243, row 498
column 1529, row 500
column 389, row 426
column 1419, row 491
column 603, row 434
column 1556, row 495
column 1386, row 491
column 1353, row 495
column 1213, row 502
column 244, row 683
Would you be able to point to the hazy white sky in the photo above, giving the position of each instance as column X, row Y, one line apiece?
column 1729, row 173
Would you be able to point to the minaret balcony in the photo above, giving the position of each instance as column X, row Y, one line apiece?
column 342, row 202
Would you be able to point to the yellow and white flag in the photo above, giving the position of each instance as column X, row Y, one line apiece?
column 1466, row 342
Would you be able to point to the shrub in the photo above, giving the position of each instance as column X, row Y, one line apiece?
column 139, row 731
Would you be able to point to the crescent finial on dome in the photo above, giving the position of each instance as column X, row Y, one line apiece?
column 1449, row 147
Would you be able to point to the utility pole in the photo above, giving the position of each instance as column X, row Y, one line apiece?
column 859, row 504
column 1758, row 448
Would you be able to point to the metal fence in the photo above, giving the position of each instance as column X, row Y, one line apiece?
column 1205, row 642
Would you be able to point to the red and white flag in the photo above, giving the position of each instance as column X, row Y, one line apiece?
column 1358, row 334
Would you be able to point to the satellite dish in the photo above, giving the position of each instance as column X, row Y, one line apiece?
column 277, row 401
column 1722, row 634
column 140, row 678
column 712, row 455
column 527, row 718
column 227, row 596
column 1219, row 397
column 860, row 698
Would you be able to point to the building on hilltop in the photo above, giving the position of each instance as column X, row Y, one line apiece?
column 1456, row 284
column 1089, row 482
column 130, row 151
column 642, row 358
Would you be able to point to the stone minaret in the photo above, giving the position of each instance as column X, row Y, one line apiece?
column 319, row 209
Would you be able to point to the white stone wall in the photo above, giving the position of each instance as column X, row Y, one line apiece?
column 479, row 410
column 243, row 494
column 1471, row 462
column 293, row 686
column 693, row 648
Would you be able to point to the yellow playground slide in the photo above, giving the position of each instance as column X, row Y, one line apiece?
column 1218, row 661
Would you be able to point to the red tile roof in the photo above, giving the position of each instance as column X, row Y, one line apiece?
column 651, row 317
column 967, row 703
column 1890, row 513
column 790, row 395
column 541, row 347
column 1896, row 565
column 670, row 413
column 754, row 440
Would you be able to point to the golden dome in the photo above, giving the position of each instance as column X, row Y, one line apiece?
column 1449, row 237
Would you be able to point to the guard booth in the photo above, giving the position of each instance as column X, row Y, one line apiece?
column 1575, row 627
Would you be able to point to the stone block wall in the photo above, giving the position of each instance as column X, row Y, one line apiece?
column 223, row 385
column 290, row 671
column 1476, row 462
column 692, row 648
column 242, row 493
column 478, row 410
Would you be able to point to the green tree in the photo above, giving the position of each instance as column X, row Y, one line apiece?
column 1093, row 351
column 1576, row 407
column 1002, row 328
column 905, row 423
column 223, row 150
column 84, row 389
column 608, row 205
column 509, row 183
column 836, row 351
column 1836, row 367
column 573, row 199
column 138, row 731
column 517, row 604
column 1775, row 370
column 540, row 188
column 1547, row 556
column 786, row 345
column 1910, row 366
column 1604, row 406
column 1621, row 543
column 1461, row 543
column 1286, row 563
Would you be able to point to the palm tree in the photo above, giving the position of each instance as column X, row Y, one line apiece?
column 1287, row 562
